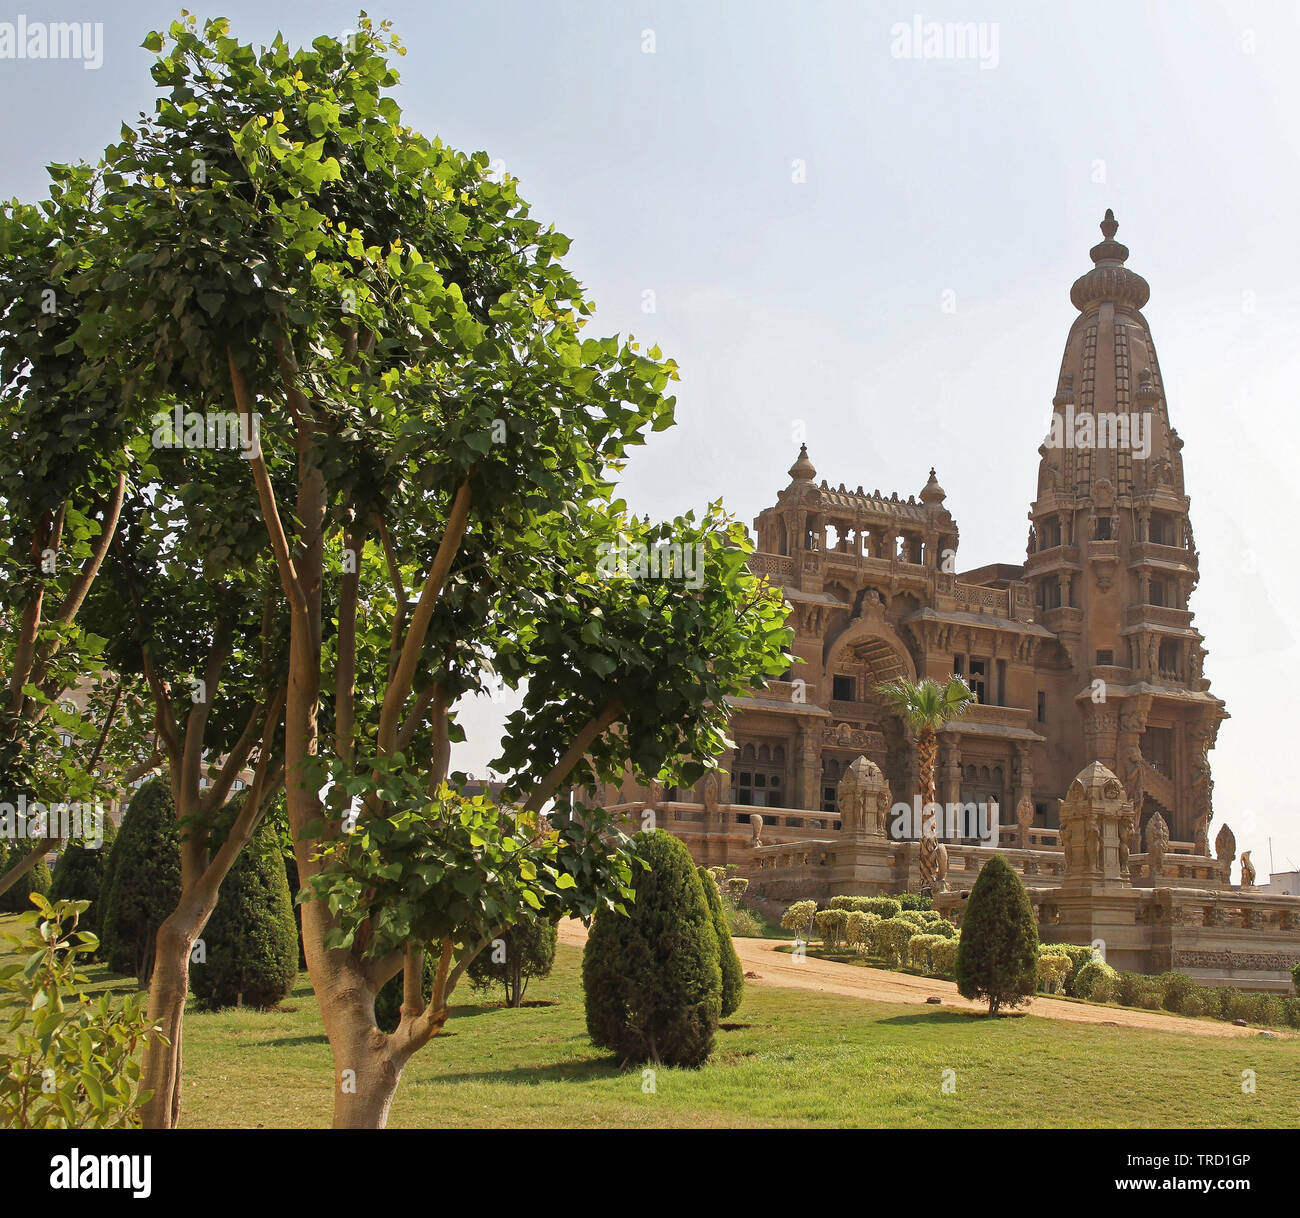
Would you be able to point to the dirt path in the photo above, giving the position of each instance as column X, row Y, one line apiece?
column 778, row 970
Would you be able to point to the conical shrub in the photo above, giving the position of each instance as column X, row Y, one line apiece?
column 652, row 979
column 250, row 944
column 733, row 975
column 997, row 954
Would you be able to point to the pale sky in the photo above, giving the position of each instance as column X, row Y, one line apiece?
column 798, row 199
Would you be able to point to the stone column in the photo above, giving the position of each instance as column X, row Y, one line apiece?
column 808, row 768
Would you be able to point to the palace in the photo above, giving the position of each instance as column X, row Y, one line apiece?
column 1094, row 718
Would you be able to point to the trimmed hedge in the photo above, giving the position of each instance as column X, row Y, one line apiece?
column 1052, row 973
column 998, row 954
column 651, row 976
column 1078, row 954
column 932, row 953
column 733, row 975
column 79, row 876
column 890, row 938
column 1087, row 977
column 251, row 941
column 37, row 879
column 798, row 915
column 525, row 951
column 143, row 881
column 883, row 907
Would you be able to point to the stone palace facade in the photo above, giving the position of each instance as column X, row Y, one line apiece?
column 1084, row 657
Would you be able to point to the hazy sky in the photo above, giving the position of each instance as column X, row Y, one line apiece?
column 798, row 200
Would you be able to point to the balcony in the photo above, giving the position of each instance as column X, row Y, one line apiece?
column 1158, row 615
column 1174, row 557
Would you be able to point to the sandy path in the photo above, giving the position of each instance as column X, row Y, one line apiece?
column 778, row 970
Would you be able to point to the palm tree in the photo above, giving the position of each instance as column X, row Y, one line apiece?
column 926, row 706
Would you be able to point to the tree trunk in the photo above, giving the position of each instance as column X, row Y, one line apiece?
column 168, row 989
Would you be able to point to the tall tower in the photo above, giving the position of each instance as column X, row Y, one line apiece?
column 1113, row 563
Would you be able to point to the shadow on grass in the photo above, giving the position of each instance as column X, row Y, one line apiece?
column 285, row 1042
column 588, row 1071
column 937, row 1014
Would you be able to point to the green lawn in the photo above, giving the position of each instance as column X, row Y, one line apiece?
column 797, row 1058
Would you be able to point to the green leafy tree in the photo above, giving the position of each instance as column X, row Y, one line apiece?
column 925, row 706
column 434, row 486
column 997, row 953
column 733, row 974
column 70, row 1060
column 651, row 976
column 250, row 943
column 143, row 881
column 525, row 951
column 79, row 875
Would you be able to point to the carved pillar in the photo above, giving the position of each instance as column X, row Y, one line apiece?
column 808, row 767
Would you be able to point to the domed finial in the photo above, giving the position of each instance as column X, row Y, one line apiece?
column 932, row 492
column 1109, row 226
column 802, row 470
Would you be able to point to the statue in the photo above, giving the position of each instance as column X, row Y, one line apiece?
column 1225, row 848
column 1125, row 832
column 1025, row 819
column 756, row 828
column 1069, row 836
column 710, row 790
column 1247, row 870
column 941, row 867
column 1157, row 842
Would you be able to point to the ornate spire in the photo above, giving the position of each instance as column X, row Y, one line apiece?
column 932, row 492
column 802, row 470
column 1109, row 280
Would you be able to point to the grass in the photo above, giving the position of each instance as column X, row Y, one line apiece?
column 791, row 1058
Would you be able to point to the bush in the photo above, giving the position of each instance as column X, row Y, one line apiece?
column 525, row 951
column 941, row 927
column 651, row 976
column 890, row 938
column 1295, row 976
column 733, row 975
column 1079, row 954
column 1088, row 976
column 36, row 882
column 1052, row 972
column 798, row 917
column 79, row 876
column 921, row 952
column 912, row 900
column 744, row 923
column 70, row 1059
column 832, row 925
column 882, row 907
column 1291, row 1012
column 1176, row 991
column 736, row 887
column 913, row 917
column 144, row 880
column 858, row 930
column 998, row 954
column 943, row 955
column 250, row 944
